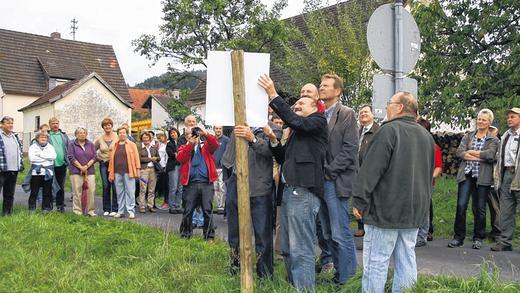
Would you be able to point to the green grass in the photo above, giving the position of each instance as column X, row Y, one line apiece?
column 68, row 253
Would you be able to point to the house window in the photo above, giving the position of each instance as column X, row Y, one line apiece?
column 36, row 123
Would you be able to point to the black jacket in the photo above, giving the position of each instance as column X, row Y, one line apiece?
column 394, row 184
column 303, row 156
column 365, row 140
column 171, row 150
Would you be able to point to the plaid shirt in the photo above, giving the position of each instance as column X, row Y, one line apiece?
column 474, row 166
column 3, row 160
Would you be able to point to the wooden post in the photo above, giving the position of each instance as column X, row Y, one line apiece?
column 242, row 172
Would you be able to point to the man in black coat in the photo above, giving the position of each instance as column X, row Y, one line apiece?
column 367, row 129
column 303, row 158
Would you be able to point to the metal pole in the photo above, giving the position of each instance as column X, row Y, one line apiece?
column 398, row 45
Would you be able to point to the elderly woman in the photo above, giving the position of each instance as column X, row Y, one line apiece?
column 477, row 150
column 41, row 156
column 82, row 156
column 104, row 145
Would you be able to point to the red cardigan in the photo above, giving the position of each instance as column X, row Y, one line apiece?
column 184, row 157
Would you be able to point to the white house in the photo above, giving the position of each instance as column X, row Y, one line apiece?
column 34, row 68
column 79, row 103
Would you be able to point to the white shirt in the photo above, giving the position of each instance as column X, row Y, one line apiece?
column 162, row 154
column 43, row 156
column 147, row 148
column 511, row 149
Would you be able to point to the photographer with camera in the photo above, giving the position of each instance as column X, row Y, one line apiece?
column 198, row 172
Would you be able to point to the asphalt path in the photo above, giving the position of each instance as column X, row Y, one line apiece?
column 434, row 259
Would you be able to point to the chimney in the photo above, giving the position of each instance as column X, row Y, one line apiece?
column 56, row 35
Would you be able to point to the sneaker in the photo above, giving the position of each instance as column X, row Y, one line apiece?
column 131, row 216
column 106, row 214
column 477, row 244
column 327, row 268
column 164, row 206
column 142, row 210
column 92, row 214
column 152, row 210
column 117, row 216
column 77, row 213
column 420, row 243
column 501, row 247
column 112, row 214
column 455, row 243
column 211, row 241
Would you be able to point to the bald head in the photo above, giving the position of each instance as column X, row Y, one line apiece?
column 310, row 90
column 402, row 104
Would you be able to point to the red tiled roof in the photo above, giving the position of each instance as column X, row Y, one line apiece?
column 139, row 97
column 21, row 72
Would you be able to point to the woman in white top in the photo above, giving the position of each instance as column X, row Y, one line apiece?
column 162, row 183
column 41, row 156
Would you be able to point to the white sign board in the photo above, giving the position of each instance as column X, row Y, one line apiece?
column 219, row 89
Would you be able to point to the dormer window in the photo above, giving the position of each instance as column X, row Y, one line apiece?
column 54, row 82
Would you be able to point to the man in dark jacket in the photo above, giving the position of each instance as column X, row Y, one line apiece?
column 303, row 158
column 367, row 129
column 392, row 195
column 220, row 190
column 260, row 163
column 340, row 168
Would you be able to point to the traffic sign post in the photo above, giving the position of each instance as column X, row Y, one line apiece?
column 394, row 42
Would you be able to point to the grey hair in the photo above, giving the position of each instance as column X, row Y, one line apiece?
column 78, row 129
column 7, row 118
column 40, row 133
column 487, row 112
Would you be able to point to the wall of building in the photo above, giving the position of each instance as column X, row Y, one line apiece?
column 159, row 115
column 87, row 106
column 11, row 104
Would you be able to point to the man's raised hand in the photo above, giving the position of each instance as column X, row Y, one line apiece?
column 268, row 85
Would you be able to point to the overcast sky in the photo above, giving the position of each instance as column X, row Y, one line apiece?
column 112, row 22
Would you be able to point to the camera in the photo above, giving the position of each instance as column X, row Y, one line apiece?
column 195, row 131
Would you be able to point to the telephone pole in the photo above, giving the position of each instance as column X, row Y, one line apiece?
column 74, row 28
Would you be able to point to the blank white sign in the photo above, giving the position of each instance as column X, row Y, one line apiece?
column 219, row 89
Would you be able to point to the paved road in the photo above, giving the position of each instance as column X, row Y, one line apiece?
column 435, row 258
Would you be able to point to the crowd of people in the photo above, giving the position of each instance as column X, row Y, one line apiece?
column 305, row 166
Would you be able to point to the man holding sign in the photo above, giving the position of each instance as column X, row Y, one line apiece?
column 303, row 158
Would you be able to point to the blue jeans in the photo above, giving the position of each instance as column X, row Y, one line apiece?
column 379, row 245
column 262, row 219
column 335, row 224
column 174, row 189
column 326, row 254
column 125, row 188
column 298, row 229
column 109, row 192
column 198, row 217
column 478, row 195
